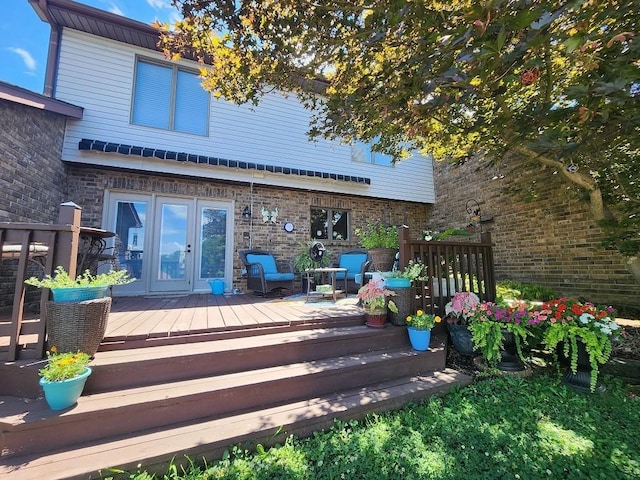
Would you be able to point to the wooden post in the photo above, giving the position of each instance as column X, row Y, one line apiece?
column 403, row 245
column 66, row 253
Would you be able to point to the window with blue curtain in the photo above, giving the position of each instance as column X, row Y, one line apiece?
column 169, row 97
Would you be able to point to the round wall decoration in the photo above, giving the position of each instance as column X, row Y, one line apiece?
column 289, row 227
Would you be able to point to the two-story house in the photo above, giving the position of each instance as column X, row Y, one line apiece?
column 185, row 179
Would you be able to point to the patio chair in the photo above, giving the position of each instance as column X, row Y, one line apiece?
column 357, row 261
column 264, row 273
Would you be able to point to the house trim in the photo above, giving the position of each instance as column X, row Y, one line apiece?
column 15, row 94
column 110, row 147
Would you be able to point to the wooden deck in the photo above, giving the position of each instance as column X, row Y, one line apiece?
column 153, row 318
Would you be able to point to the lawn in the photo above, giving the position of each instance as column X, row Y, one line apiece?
column 496, row 428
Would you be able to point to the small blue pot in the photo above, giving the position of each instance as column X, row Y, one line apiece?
column 397, row 282
column 419, row 338
column 64, row 394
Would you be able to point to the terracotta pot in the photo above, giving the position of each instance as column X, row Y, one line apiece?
column 376, row 319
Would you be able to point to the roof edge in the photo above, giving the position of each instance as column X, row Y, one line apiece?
column 22, row 96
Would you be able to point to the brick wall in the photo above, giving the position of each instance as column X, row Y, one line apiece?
column 87, row 187
column 542, row 229
column 32, row 177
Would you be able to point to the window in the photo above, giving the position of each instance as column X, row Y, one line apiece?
column 168, row 97
column 327, row 224
column 363, row 152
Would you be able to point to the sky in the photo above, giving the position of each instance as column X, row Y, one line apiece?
column 24, row 38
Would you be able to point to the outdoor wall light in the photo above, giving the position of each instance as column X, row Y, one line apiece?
column 246, row 213
column 473, row 209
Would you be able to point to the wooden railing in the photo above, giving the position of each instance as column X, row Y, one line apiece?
column 50, row 246
column 451, row 266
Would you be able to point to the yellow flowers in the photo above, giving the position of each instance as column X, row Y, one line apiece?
column 422, row 320
column 62, row 366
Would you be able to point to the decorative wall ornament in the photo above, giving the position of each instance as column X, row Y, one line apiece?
column 269, row 216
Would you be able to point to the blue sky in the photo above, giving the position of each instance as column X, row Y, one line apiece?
column 24, row 38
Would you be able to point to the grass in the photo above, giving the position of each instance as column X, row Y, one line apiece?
column 497, row 428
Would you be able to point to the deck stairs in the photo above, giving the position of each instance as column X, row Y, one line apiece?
column 197, row 396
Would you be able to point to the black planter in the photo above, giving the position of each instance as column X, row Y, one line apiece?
column 581, row 380
column 509, row 359
column 461, row 338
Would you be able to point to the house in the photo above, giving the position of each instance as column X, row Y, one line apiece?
column 185, row 179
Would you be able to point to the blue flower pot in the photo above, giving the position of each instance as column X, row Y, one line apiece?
column 78, row 294
column 64, row 394
column 397, row 282
column 419, row 338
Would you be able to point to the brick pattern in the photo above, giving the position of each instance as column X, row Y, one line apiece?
column 32, row 177
column 88, row 186
column 542, row 229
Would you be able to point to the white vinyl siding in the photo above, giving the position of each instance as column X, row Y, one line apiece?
column 167, row 97
column 272, row 133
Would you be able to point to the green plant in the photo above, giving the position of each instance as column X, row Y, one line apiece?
column 63, row 366
column 303, row 261
column 422, row 320
column 413, row 271
column 570, row 321
column 513, row 289
column 486, row 324
column 440, row 236
column 373, row 297
column 61, row 279
column 377, row 235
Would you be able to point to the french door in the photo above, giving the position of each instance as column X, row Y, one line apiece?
column 189, row 242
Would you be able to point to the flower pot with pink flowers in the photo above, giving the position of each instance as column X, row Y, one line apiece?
column 458, row 312
column 374, row 298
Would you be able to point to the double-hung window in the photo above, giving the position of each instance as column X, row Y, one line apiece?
column 169, row 97
column 328, row 224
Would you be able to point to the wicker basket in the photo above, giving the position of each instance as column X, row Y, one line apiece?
column 77, row 326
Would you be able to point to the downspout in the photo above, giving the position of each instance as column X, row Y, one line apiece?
column 53, row 55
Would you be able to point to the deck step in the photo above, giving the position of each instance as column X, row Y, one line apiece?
column 208, row 439
column 136, row 367
column 207, row 397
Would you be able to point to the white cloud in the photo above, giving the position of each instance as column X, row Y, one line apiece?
column 28, row 60
column 115, row 9
column 159, row 3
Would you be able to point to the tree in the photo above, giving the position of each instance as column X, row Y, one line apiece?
column 555, row 82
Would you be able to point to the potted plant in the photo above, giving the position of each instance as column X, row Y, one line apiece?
column 374, row 300
column 583, row 334
column 458, row 313
column 401, row 281
column 382, row 243
column 419, row 328
column 500, row 332
column 85, row 286
column 77, row 318
column 63, row 378
column 303, row 261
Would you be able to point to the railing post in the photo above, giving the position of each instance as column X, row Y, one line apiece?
column 403, row 246
column 67, row 244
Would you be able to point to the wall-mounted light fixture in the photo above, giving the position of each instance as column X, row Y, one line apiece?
column 473, row 209
column 246, row 213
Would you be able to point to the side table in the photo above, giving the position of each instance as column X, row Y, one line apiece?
column 332, row 274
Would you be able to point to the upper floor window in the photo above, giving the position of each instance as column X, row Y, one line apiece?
column 328, row 224
column 169, row 97
column 363, row 152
